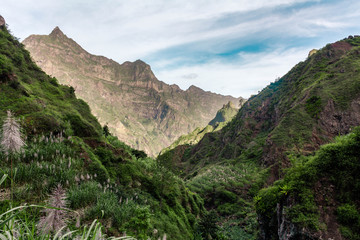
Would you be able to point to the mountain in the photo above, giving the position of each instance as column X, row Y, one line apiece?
column 317, row 100
column 223, row 116
column 99, row 176
column 142, row 111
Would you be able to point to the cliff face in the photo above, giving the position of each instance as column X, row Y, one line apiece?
column 142, row 111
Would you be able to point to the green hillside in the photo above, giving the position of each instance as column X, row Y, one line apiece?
column 318, row 196
column 65, row 145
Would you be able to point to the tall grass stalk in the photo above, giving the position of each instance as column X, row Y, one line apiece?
column 12, row 227
column 11, row 142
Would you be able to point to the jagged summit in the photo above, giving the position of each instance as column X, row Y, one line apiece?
column 56, row 32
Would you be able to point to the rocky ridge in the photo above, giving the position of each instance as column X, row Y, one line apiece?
column 142, row 111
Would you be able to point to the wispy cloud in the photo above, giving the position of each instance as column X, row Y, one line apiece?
column 231, row 47
column 255, row 72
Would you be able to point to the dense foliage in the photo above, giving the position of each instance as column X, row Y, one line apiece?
column 103, row 178
column 318, row 186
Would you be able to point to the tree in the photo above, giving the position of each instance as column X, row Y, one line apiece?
column 106, row 131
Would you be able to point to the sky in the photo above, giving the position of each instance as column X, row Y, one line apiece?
column 231, row 47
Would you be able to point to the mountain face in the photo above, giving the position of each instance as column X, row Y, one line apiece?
column 282, row 126
column 142, row 111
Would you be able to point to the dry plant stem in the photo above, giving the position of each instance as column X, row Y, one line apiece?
column 11, row 142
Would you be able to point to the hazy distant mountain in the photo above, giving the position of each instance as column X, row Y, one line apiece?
column 223, row 116
column 142, row 111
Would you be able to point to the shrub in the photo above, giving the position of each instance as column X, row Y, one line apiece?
column 348, row 214
column 313, row 106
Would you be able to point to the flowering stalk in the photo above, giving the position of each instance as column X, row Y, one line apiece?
column 11, row 141
column 55, row 217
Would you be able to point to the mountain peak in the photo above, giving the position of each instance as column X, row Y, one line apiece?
column 194, row 88
column 56, row 32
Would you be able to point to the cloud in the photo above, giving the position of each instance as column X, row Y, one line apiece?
column 254, row 73
column 233, row 46
column 190, row 76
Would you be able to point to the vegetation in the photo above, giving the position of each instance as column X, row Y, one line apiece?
column 274, row 130
column 332, row 171
column 100, row 177
column 261, row 165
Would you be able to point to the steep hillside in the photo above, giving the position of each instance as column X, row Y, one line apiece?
column 318, row 198
column 99, row 176
column 142, row 111
column 317, row 100
column 314, row 102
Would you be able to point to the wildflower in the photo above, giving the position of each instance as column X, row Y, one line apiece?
column 87, row 176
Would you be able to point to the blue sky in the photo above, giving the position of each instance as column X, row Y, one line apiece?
column 233, row 47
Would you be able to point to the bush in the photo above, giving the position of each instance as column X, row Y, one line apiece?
column 348, row 214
